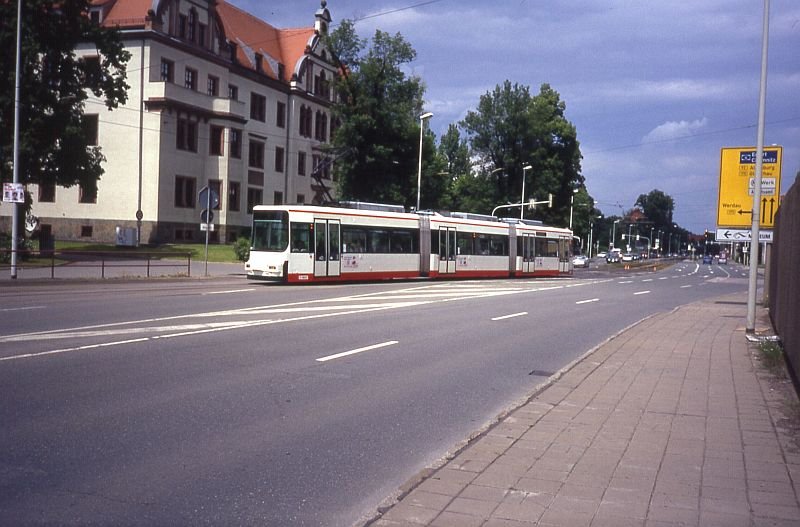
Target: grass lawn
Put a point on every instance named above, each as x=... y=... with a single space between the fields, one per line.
x=216 y=252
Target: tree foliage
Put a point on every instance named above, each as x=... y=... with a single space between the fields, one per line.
x=511 y=129
x=378 y=112
x=658 y=207
x=53 y=135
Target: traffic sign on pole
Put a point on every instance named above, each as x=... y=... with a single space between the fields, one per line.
x=737 y=185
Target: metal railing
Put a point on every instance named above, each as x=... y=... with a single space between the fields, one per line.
x=87 y=264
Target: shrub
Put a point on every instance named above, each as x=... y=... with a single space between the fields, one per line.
x=242 y=249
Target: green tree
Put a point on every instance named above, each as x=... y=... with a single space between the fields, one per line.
x=53 y=88
x=658 y=207
x=378 y=114
x=511 y=129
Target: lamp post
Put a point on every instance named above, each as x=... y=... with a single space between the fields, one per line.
x=522 y=207
x=571 y=201
x=17 y=104
x=614 y=234
x=426 y=115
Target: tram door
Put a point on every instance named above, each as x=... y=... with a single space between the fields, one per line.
x=528 y=253
x=327 y=243
x=447 y=250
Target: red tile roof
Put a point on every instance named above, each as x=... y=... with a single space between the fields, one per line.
x=250 y=34
x=253 y=35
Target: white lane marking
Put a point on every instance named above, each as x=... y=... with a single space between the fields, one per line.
x=664 y=278
x=647 y=280
x=626 y=282
x=359 y=350
x=685 y=286
x=228 y=292
x=6 y=310
x=641 y=292
x=520 y=314
x=588 y=301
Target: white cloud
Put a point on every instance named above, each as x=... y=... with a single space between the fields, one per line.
x=674 y=130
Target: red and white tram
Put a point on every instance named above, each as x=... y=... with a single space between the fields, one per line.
x=299 y=243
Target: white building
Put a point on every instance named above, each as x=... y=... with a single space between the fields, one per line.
x=217 y=98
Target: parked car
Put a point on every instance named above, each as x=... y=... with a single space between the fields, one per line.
x=580 y=260
x=708 y=259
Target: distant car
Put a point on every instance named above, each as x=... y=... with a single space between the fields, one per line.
x=723 y=259
x=601 y=254
x=628 y=257
x=612 y=257
x=708 y=259
x=580 y=260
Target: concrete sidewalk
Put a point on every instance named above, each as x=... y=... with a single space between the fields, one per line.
x=672 y=422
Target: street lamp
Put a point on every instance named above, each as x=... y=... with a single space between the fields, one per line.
x=614 y=234
x=571 y=200
x=422 y=118
x=522 y=201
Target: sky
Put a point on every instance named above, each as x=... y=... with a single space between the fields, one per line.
x=654 y=88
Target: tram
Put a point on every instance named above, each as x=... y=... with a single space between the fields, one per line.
x=369 y=242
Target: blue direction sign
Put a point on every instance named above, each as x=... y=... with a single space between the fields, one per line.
x=208 y=198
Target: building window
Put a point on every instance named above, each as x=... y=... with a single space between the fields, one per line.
x=201 y=35
x=213 y=86
x=301 y=163
x=85 y=196
x=216 y=138
x=92 y=72
x=89 y=121
x=255 y=154
x=185 y=189
x=259 y=62
x=236 y=143
x=321 y=127
x=47 y=192
x=305 y=121
x=187 y=135
x=234 y=196
x=280 y=115
x=301 y=198
x=279 y=159
x=86 y=231
x=192 y=25
x=190 y=79
x=254 y=197
x=258 y=107
x=277 y=198
x=233 y=92
x=167 y=69
x=182 y=26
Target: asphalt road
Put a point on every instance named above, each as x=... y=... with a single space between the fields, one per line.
x=231 y=402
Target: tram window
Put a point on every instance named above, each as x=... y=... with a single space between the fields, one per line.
x=378 y=241
x=270 y=231
x=498 y=245
x=401 y=241
x=464 y=243
x=319 y=240
x=354 y=240
x=301 y=237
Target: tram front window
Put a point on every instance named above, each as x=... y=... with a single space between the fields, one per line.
x=270 y=230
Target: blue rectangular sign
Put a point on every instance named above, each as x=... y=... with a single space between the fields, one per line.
x=749 y=158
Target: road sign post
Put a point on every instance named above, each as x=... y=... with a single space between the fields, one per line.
x=208 y=198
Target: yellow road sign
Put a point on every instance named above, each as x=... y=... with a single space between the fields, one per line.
x=737 y=170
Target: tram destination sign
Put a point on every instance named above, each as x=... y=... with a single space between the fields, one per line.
x=737 y=183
